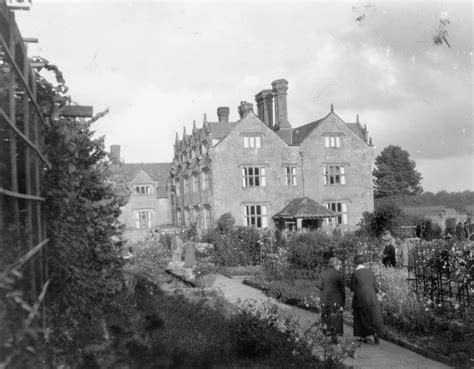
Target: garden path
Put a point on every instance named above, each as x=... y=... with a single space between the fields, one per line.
x=386 y=355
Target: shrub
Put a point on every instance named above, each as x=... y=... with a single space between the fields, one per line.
x=309 y=250
x=237 y=246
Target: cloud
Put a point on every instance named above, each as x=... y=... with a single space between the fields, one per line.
x=161 y=65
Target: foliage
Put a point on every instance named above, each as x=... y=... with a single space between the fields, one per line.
x=299 y=292
x=225 y=223
x=456 y=200
x=147 y=259
x=82 y=211
x=309 y=250
x=395 y=174
x=387 y=215
x=235 y=246
x=261 y=330
x=445 y=269
x=418 y=315
x=190 y=329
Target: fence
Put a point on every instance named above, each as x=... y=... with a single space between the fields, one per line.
x=444 y=271
x=23 y=241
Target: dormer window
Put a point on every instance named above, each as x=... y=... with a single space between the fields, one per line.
x=332 y=141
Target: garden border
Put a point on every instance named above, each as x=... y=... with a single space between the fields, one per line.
x=387 y=337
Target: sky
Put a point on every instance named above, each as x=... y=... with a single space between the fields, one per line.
x=160 y=65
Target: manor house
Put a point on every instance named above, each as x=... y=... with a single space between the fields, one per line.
x=259 y=167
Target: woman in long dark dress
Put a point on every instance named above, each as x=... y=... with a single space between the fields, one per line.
x=333 y=298
x=366 y=307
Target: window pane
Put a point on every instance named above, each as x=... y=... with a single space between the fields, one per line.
x=338 y=141
x=326 y=141
x=246 y=141
x=332 y=141
x=258 y=141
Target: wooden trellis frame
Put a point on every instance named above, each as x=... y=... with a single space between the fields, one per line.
x=23 y=238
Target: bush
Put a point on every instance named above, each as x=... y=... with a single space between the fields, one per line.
x=237 y=246
x=309 y=250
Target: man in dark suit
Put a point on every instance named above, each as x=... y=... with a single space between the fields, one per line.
x=389 y=254
x=368 y=318
x=333 y=299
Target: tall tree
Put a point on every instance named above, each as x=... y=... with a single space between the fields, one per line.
x=395 y=174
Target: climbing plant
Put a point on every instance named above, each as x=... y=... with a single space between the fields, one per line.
x=81 y=212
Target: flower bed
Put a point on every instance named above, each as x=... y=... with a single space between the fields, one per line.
x=301 y=293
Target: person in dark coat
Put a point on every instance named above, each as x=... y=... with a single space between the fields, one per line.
x=389 y=255
x=333 y=299
x=365 y=304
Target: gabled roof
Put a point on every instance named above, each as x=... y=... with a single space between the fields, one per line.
x=357 y=129
x=300 y=133
x=304 y=207
x=159 y=172
x=220 y=129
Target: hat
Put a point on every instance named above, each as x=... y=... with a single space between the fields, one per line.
x=359 y=259
x=334 y=262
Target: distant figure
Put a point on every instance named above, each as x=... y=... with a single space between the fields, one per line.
x=336 y=232
x=177 y=248
x=164 y=241
x=460 y=231
x=189 y=254
x=389 y=254
x=333 y=299
x=366 y=307
x=467 y=229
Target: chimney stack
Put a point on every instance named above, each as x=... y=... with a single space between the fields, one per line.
x=223 y=114
x=115 y=154
x=264 y=101
x=280 y=88
x=245 y=109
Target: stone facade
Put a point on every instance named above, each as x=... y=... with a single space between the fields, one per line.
x=254 y=167
x=148 y=206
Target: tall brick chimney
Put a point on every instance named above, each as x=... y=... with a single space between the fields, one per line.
x=115 y=154
x=280 y=88
x=223 y=114
x=264 y=100
x=245 y=108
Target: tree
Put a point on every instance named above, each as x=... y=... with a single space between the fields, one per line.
x=395 y=174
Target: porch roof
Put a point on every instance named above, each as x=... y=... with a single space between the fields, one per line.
x=305 y=208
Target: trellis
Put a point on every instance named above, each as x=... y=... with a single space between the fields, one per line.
x=443 y=272
x=23 y=238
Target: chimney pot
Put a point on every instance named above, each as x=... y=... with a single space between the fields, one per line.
x=245 y=108
x=264 y=100
x=223 y=114
x=280 y=89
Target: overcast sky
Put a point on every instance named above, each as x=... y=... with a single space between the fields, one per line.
x=161 y=65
